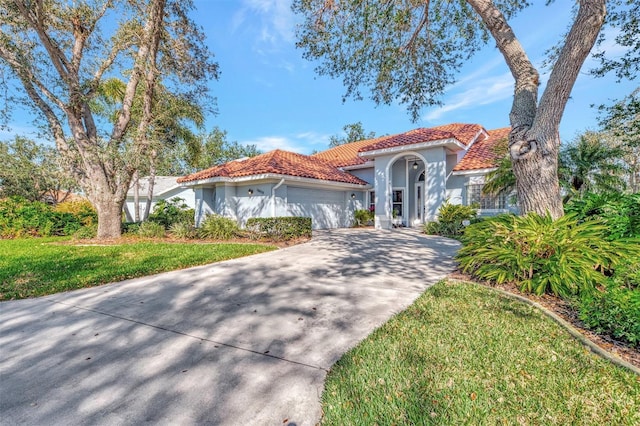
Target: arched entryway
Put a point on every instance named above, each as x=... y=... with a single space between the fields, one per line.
x=406 y=190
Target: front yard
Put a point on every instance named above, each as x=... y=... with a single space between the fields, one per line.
x=40 y=266
x=463 y=354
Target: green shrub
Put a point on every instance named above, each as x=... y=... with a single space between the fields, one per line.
x=564 y=256
x=450 y=220
x=280 y=228
x=218 y=227
x=173 y=211
x=362 y=217
x=620 y=212
x=87 y=232
x=20 y=217
x=81 y=209
x=151 y=230
x=614 y=311
x=182 y=230
x=130 y=227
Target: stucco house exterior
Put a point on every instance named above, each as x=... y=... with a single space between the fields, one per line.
x=164 y=188
x=405 y=178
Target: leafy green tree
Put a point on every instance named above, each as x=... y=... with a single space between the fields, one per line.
x=589 y=164
x=411 y=51
x=61 y=52
x=32 y=171
x=501 y=180
x=171 y=126
x=353 y=133
x=621 y=121
x=214 y=148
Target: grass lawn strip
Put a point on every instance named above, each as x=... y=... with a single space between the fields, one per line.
x=41 y=266
x=464 y=354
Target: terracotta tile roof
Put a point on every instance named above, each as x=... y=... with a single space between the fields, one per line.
x=280 y=163
x=347 y=154
x=464 y=133
x=482 y=154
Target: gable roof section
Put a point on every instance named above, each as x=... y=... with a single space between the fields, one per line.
x=277 y=162
x=463 y=133
x=483 y=154
x=347 y=155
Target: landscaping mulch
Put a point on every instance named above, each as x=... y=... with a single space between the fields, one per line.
x=564 y=310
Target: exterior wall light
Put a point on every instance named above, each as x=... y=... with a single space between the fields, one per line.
x=353 y=196
x=250 y=191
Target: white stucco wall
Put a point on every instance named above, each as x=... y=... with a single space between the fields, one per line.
x=327 y=208
x=187 y=194
x=366 y=175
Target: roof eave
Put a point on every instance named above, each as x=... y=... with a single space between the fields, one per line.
x=267 y=176
x=368 y=164
x=450 y=142
x=473 y=171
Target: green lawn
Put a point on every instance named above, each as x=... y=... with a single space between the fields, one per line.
x=40 y=266
x=463 y=354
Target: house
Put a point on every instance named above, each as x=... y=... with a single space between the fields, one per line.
x=164 y=188
x=405 y=178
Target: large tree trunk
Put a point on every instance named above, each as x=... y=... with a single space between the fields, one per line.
x=109 y=217
x=534 y=141
x=537 y=181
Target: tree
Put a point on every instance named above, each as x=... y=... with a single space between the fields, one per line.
x=590 y=164
x=501 y=180
x=32 y=171
x=58 y=53
x=621 y=121
x=353 y=133
x=411 y=50
x=213 y=149
x=168 y=128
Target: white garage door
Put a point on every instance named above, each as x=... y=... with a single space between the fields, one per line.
x=325 y=208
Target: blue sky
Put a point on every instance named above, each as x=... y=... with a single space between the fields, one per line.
x=268 y=95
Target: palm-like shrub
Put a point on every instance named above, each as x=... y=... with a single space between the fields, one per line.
x=362 y=217
x=450 y=220
x=564 y=256
x=620 y=212
x=182 y=230
x=151 y=230
x=218 y=227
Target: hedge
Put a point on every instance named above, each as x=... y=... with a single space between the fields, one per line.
x=280 y=228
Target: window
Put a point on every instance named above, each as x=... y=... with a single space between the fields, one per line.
x=486 y=202
x=372 y=201
x=396 y=206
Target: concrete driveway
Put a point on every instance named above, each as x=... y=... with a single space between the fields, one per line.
x=243 y=342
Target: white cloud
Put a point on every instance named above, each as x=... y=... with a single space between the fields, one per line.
x=269 y=143
x=302 y=143
x=275 y=20
x=484 y=92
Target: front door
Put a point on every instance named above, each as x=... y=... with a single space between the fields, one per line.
x=419 y=204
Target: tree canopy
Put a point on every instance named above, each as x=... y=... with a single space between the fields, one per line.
x=60 y=53
x=352 y=133
x=32 y=171
x=410 y=52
